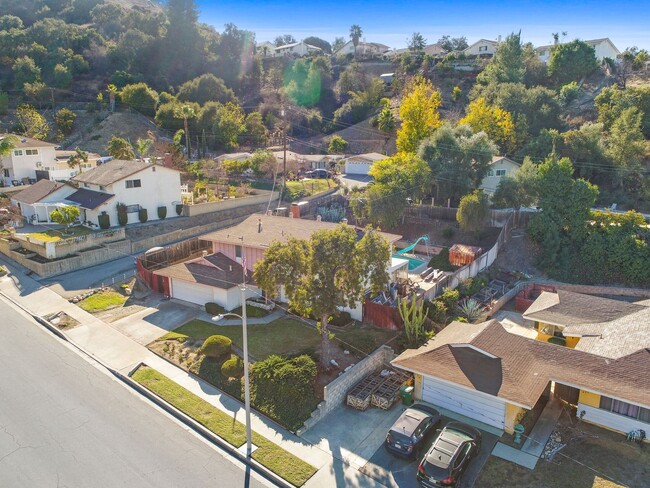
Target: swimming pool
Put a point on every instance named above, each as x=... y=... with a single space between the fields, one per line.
x=413 y=263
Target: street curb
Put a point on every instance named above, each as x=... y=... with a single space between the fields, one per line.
x=170 y=409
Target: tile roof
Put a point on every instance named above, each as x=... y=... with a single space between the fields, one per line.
x=22 y=141
x=518 y=369
x=568 y=308
x=216 y=270
x=273 y=228
x=112 y=171
x=37 y=191
x=89 y=199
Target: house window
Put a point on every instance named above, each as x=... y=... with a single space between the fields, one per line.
x=133 y=183
x=490 y=172
x=102 y=188
x=546 y=329
x=5 y=173
x=133 y=208
x=625 y=409
x=31 y=152
x=501 y=172
x=238 y=251
x=18 y=152
x=482 y=48
x=86 y=185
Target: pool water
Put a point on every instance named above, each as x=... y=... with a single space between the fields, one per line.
x=413 y=263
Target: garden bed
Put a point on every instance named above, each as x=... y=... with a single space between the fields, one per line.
x=62 y=321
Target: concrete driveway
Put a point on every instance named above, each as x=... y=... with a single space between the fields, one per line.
x=357 y=438
x=355 y=180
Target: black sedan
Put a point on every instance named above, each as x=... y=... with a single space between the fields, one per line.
x=408 y=433
x=449 y=456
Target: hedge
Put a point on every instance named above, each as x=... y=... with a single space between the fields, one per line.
x=214 y=308
x=233 y=368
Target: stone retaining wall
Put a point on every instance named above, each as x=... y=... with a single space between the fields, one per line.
x=221 y=205
x=336 y=391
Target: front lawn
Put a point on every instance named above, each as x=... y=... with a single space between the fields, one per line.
x=304 y=188
x=281 y=462
x=252 y=312
x=282 y=336
x=363 y=338
x=103 y=301
x=593 y=458
x=57 y=235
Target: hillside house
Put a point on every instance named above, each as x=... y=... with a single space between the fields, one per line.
x=500 y=167
x=482 y=48
x=297 y=49
x=26 y=158
x=363 y=49
x=361 y=164
x=604 y=48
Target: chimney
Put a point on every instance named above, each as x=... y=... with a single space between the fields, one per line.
x=319 y=218
x=167 y=160
x=259 y=225
x=499 y=39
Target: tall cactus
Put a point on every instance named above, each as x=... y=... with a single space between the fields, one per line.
x=413 y=316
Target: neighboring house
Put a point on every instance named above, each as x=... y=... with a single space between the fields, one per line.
x=240 y=156
x=136 y=184
x=319 y=161
x=266 y=49
x=604 y=48
x=28 y=156
x=363 y=49
x=482 y=47
x=360 y=164
x=61 y=170
x=297 y=49
x=231 y=247
x=37 y=201
x=486 y=373
x=434 y=50
x=500 y=166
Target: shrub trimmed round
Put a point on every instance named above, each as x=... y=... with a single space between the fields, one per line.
x=143 y=215
x=216 y=346
x=233 y=368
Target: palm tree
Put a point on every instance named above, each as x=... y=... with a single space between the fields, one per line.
x=143 y=146
x=185 y=112
x=386 y=120
x=78 y=158
x=355 y=35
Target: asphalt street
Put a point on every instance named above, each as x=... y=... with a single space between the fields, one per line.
x=65 y=422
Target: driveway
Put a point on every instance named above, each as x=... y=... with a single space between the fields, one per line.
x=355 y=180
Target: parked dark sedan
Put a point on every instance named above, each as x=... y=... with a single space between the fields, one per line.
x=408 y=433
x=449 y=456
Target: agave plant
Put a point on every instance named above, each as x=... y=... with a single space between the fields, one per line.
x=470 y=309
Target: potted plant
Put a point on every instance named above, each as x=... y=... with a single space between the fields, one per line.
x=122 y=216
x=179 y=209
x=162 y=212
x=104 y=220
x=142 y=214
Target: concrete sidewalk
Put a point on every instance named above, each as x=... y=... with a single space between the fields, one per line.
x=104 y=342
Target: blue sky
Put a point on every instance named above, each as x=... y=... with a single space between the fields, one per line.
x=626 y=23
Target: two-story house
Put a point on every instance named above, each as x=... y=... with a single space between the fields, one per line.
x=500 y=167
x=28 y=156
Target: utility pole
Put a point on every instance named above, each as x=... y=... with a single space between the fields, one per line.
x=284 y=158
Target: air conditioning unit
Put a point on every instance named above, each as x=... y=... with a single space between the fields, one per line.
x=39 y=165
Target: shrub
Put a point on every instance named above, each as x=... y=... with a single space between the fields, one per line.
x=284 y=388
x=140 y=97
x=104 y=221
x=214 y=308
x=450 y=298
x=341 y=319
x=162 y=212
x=122 y=218
x=233 y=368
x=143 y=215
x=216 y=346
x=448 y=233
x=436 y=311
x=569 y=92
x=441 y=261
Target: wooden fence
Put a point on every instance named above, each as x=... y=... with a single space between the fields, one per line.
x=382 y=316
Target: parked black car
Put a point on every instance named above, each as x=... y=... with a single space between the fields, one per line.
x=408 y=433
x=318 y=173
x=449 y=455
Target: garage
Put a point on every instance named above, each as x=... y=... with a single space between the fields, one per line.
x=479 y=406
x=192 y=292
x=361 y=163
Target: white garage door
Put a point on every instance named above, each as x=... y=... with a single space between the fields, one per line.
x=192 y=292
x=489 y=410
x=357 y=168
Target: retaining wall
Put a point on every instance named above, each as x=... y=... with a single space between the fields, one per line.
x=221 y=205
x=335 y=392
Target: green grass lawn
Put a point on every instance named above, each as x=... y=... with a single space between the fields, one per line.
x=252 y=312
x=103 y=301
x=282 y=336
x=281 y=462
x=57 y=235
x=305 y=188
x=364 y=338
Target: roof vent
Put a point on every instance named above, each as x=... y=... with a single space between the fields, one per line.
x=259 y=225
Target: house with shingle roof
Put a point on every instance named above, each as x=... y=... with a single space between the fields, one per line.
x=243 y=244
x=27 y=156
x=603 y=48
x=486 y=373
x=37 y=201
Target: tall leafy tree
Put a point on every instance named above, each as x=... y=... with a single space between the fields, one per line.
x=325 y=46
x=572 y=61
x=419 y=114
x=78 y=159
x=417 y=43
x=355 y=34
x=507 y=64
x=284 y=40
x=31 y=123
x=204 y=89
x=449 y=43
x=229 y=124
x=627 y=148
x=338 y=43
x=324 y=273
x=494 y=121
x=7 y=143
x=472 y=211
x=183 y=43
x=120 y=148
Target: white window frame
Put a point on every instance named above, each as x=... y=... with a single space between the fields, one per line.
x=31 y=152
x=18 y=152
x=500 y=172
x=490 y=172
x=137 y=183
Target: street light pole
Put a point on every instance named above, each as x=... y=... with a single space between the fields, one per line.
x=247 y=390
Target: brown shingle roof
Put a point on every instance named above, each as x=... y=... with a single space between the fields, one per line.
x=37 y=191
x=273 y=228
x=112 y=171
x=22 y=141
x=216 y=270
x=518 y=369
x=568 y=308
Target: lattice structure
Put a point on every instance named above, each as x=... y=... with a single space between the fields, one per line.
x=387 y=393
x=359 y=396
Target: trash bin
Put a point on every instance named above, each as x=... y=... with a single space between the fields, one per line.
x=407 y=395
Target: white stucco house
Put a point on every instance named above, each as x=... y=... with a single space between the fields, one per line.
x=297 y=49
x=500 y=166
x=360 y=164
x=37 y=201
x=28 y=156
x=266 y=49
x=482 y=47
x=604 y=48
x=363 y=49
x=136 y=184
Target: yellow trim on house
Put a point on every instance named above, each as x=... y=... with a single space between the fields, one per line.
x=571 y=341
x=512 y=412
x=589 y=398
x=542 y=336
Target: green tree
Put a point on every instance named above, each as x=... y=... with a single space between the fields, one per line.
x=586 y=146
x=355 y=34
x=419 y=114
x=338 y=43
x=65 y=216
x=417 y=43
x=386 y=120
x=283 y=40
x=327 y=272
x=143 y=147
x=205 y=88
x=325 y=46
x=186 y=112
x=62 y=76
x=120 y=149
x=65 y=119
x=337 y=145
x=572 y=61
x=230 y=123
x=7 y=144
x=414 y=317
x=77 y=159
x=449 y=43
x=140 y=97
x=256 y=132
x=473 y=211
x=519 y=190
x=612 y=101
x=31 y=123
x=25 y=71
x=507 y=64
x=627 y=148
